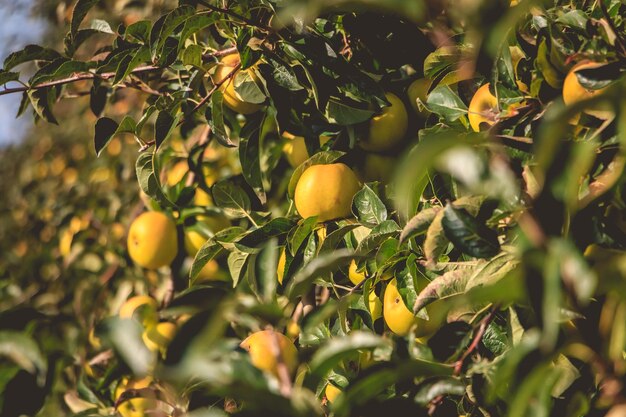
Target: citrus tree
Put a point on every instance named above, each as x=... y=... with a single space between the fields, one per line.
x=310 y=208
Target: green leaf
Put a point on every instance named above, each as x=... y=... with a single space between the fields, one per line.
x=149 y=180
x=42 y=100
x=446 y=103
x=7 y=77
x=274 y=228
x=436 y=241
x=97 y=101
x=412 y=177
x=599 y=77
x=101 y=26
x=406 y=285
x=432 y=388
x=192 y=55
x=419 y=224
x=285 y=77
x=247 y=88
x=164 y=126
x=334 y=238
x=249 y=156
x=161 y=33
x=468 y=235
x=211 y=248
x=129 y=62
x=237 y=266
x=81 y=8
x=107 y=128
x=495 y=338
x=451 y=283
x=336 y=350
x=368 y=207
x=30 y=53
x=301 y=234
x=23 y=350
x=377 y=236
x=215 y=119
x=342 y=114
x=232 y=198
x=195 y=23
x=139 y=30
x=317 y=268
x=125 y=337
x=265 y=270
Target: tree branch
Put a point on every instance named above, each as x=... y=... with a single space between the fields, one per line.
x=104 y=76
x=480 y=332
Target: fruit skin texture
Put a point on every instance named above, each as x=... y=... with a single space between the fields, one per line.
x=400 y=319
x=152 y=240
x=138 y=406
x=419 y=90
x=574 y=92
x=326 y=191
x=331 y=393
x=388 y=129
x=375 y=306
x=141 y=307
x=157 y=337
x=295 y=148
x=482 y=108
x=231 y=98
x=397 y=316
x=262 y=347
x=354 y=276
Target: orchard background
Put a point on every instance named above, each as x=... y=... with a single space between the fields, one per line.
x=310 y=208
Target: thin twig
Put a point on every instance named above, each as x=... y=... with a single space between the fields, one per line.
x=480 y=332
x=75 y=78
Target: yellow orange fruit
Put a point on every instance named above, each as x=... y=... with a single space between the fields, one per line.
x=280 y=268
x=231 y=98
x=483 y=108
x=418 y=90
x=295 y=148
x=138 y=406
x=574 y=92
x=211 y=272
x=142 y=308
x=152 y=240
x=375 y=305
x=331 y=392
x=355 y=277
x=176 y=173
x=398 y=317
x=268 y=348
x=326 y=191
x=159 y=336
x=387 y=129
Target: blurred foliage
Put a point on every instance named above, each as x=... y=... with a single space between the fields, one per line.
x=478 y=271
